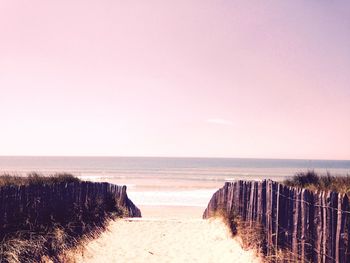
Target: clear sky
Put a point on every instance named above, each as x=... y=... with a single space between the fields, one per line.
x=219 y=78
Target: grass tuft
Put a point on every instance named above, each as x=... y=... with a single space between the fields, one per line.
x=315 y=182
x=35 y=178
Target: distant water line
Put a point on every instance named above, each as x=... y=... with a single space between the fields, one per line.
x=170 y=181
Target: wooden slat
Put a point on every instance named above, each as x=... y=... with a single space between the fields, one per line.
x=313 y=226
x=25 y=207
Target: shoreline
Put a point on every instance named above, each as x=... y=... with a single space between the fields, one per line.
x=172 y=212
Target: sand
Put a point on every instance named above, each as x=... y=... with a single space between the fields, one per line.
x=172 y=212
x=167 y=233
x=166 y=240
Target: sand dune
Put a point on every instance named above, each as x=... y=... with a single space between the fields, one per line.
x=166 y=240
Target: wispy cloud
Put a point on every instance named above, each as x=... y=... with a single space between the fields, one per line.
x=220 y=122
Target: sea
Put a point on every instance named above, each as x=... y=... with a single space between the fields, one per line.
x=165 y=181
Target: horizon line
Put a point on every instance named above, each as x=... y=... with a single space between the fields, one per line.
x=169 y=157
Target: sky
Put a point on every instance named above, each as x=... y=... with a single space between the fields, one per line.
x=200 y=78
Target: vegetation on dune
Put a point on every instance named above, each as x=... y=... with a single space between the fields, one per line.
x=62 y=227
x=50 y=245
x=252 y=235
x=36 y=179
x=313 y=181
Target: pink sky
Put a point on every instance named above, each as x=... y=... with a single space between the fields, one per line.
x=175 y=78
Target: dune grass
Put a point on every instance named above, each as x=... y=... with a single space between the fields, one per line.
x=37 y=179
x=48 y=241
x=313 y=181
x=253 y=236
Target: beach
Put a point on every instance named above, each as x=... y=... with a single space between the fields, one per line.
x=172 y=194
x=166 y=233
x=174 y=131
x=166 y=240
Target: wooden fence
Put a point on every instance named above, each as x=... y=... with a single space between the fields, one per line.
x=311 y=227
x=28 y=207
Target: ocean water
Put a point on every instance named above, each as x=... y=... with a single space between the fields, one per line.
x=155 y=181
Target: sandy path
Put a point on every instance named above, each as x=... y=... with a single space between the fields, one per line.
x=166 y=240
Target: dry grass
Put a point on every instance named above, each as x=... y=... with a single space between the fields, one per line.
x=229 y=218
x=252 y=236
x=36 y=179
x=30 y=241
x=284 y=256
x=51 y=246
x=313 y=181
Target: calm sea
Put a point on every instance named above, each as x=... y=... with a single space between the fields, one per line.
x=170 y=181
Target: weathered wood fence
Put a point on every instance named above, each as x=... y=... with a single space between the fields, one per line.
x=312 y=227
x=27 y=207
